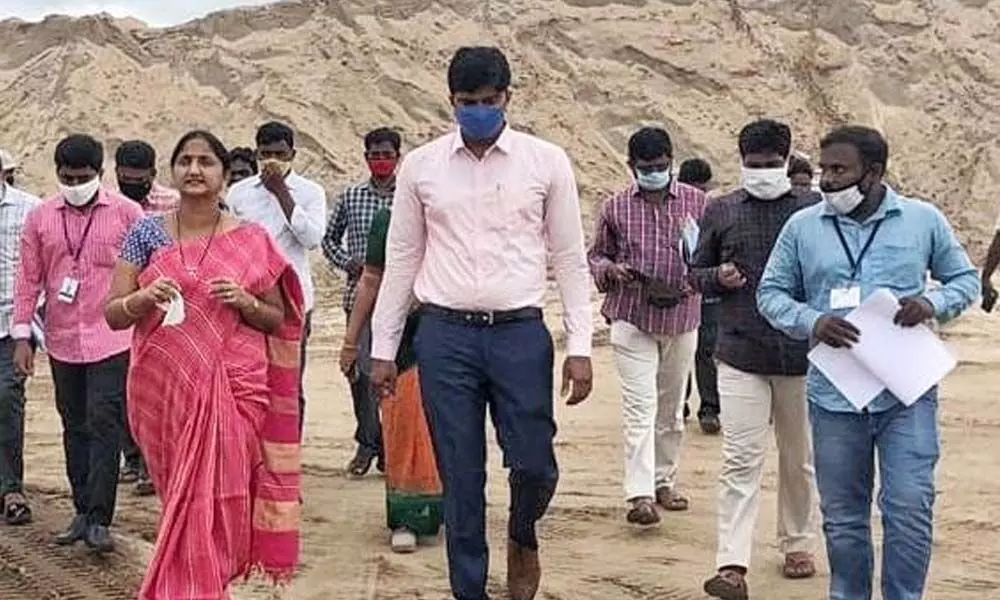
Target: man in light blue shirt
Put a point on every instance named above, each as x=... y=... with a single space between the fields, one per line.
x=827 y=259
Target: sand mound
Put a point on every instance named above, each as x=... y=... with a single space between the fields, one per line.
x=587 y=72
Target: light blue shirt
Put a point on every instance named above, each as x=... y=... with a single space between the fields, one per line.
x=808 y=261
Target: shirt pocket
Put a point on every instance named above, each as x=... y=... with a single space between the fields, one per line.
x=516 y=208
x=104 y=250
x=900 y=264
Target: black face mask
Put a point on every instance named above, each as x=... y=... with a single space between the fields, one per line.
x=135 y=191
x=10 y=179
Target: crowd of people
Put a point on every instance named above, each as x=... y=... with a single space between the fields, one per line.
x=446 y=252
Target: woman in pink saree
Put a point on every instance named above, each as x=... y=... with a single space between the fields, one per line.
x=213 y=384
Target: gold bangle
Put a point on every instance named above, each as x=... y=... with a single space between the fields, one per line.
x=128 y=313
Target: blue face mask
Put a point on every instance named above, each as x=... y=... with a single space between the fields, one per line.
x=653 y=181
x=479 y=122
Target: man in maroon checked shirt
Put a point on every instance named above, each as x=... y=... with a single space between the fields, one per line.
x=639 y=260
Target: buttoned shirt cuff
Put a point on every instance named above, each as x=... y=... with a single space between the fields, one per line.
x=383 y=349
x=808 y=320
x=579 y=345
x=938 y=302
x=21 y=332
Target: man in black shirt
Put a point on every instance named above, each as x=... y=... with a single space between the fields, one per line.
x=761 y=372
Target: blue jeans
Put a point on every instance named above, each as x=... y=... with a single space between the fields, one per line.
x=465 y=370
x=845 y=445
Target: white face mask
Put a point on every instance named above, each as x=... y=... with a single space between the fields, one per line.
x=846 y=200
x=765 y=184
x=78 y=195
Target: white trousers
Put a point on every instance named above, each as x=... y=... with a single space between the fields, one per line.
x=652 y=373
x=747 y=403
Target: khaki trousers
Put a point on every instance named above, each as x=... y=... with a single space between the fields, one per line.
x=652 y=372
x=748 y=402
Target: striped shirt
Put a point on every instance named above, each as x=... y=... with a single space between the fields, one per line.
x=352 y=218
x=75 y=332
x=14 y=207
x=161 y=200
x=646 y=236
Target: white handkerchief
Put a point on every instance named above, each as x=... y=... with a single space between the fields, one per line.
x=689 y=239
x=174 y=310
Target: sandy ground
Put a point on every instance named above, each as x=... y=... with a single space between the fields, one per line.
x=588 y=551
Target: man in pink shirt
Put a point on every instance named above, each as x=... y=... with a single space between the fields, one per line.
x=478 y=215
x=69 y=244
x=135 y=171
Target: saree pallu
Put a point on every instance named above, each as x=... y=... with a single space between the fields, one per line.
x=213 y=404
x=413 y=488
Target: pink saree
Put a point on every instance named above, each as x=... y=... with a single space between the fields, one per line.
x=213 y=405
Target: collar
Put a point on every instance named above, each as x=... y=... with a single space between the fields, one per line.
x=379 y=191
x=502 y=144
x=891 y=205
x=102 y=199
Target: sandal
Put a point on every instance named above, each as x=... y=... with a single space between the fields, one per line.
x=798 y=565
x=671 y=500
x=16 y=510
x=643 y=513
x=728 y=585
x=360 y=464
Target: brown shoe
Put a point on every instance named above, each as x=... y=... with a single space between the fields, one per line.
x=523 y=571
x=671 y=500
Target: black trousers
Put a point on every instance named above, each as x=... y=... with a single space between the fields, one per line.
x=306 y=332
x=368 y=433
x=90 y=398
x=705 y=372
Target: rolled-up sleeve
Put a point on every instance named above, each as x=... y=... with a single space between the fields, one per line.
x=308 y=219
x=781 y=286
x=568 y=255
x=28 y=281
x=404 y=255
x=950 y=265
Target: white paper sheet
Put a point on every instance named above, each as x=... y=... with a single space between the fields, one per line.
x=907 y=361
x=847 y=373
x=174 y=311
x=689 y=238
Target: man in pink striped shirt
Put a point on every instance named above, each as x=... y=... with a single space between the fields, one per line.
x=645 y=236
x=69 y=245
x=478 y=215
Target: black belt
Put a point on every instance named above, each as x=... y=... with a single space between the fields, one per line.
x=483 y=318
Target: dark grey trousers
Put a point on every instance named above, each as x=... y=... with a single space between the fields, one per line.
x=11 y=421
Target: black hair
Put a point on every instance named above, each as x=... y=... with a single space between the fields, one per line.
x=245 y=154
x=475 y=67
x=797 y=164
x=79 y=151
x=218 y=149
x=136 y=154
x=765 y=136
x=695 y=170
x=274 y=132
x=649 y=143
x=871 y=145
x=382 y=135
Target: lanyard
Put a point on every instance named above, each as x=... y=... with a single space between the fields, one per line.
x=83 y=238
x=855 y=262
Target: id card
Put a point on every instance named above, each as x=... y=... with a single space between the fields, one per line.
x=845 y=297
x=68 y=290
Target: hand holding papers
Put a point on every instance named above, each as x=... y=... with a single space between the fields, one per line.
x=907 y=361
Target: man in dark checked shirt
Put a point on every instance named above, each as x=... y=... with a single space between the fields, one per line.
x=761 y=372
x=637 y=261
x=352 y=218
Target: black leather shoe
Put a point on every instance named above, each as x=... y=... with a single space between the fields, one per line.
x=76 y=532
x=99 y=539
